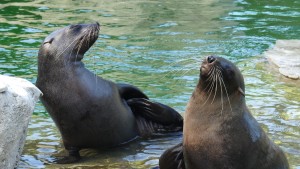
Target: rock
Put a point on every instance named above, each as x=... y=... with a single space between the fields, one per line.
x=3 y=87
x=17 y=100
x=286 y=56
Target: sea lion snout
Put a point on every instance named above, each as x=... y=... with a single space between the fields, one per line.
x=204 y=69
x=83 y=26
x=210 y=59
x=207 y=64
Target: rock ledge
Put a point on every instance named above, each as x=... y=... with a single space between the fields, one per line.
x=286 y=56
x=17 y=101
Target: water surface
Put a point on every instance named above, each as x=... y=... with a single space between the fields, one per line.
x=158 y=46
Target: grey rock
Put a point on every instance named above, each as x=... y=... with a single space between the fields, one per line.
x=3 y=87
x=17 y=101
x=286 y=56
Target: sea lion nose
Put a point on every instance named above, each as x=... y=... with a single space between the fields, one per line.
x=211 y=59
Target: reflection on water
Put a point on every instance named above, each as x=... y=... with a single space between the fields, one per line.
x=158 y=47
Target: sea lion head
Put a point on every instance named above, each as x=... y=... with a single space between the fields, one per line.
x=219 y=75
x=69 y=43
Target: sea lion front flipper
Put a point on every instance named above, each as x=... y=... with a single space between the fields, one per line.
x=73 y=157
x=172 y=158
x=153 y=116
x=128 y=91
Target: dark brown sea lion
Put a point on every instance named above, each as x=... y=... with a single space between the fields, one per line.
x=89 y=111
x=219 y=130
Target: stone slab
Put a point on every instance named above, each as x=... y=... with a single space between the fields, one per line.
x=286 y=56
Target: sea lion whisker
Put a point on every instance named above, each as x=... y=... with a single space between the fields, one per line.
x=76 y=39
x=89 y=38
x=210 y=83
x=80 y=46
x=182 y=61
x=178 y=80
x=209 y=79
x=210 y=92
x=94 y=60
x=69 y=56
x=216 y=88
x=83 y=32
x=211 y=71
x=176 y=70
x=219 y=70
x=211 y=87
x=211 y=76
x=95 y=70
x=220 y=78
x=86 y=33
x=227 y=95
x=184 y=72
x=91 y=34
x=170 y=73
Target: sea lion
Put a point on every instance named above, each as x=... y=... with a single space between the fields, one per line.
x=89 y=111
x=219 y=130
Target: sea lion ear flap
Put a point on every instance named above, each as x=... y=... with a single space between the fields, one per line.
x=241 y=91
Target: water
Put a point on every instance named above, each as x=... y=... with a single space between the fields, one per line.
x=158 y=46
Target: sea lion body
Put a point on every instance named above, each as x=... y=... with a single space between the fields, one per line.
x=90 y=95
x=89 y=111
x=219 y=130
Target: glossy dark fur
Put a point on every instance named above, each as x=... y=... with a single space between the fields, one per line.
x=89 y=111
x=219 y=130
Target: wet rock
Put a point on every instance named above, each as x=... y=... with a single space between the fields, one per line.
x=286 y=56
x=17 y=100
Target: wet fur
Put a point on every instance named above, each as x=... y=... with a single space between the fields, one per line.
x=89 y=111
x=219 y=130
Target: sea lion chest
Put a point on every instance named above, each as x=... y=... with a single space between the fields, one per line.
x=86 y=107
x=219 y=129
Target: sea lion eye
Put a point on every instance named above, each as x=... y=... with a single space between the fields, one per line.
x=49 y=41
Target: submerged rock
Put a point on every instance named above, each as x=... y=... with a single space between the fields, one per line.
x=286 y=56
x=17 y=100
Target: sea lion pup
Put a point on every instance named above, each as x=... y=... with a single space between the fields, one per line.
x=89 y=111
x=219 y=130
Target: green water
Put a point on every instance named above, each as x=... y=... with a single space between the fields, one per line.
x=158 y=46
